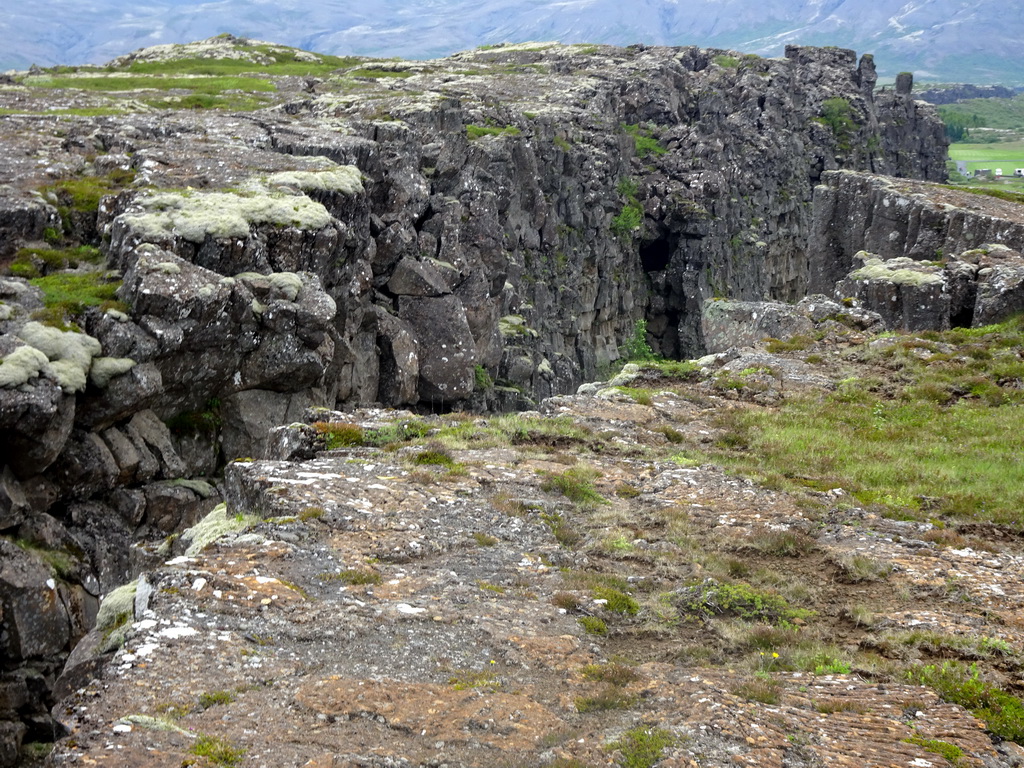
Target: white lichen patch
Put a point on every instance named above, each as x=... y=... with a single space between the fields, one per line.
x=105 y=368
x=342 y=178
x=899 y=271
x=20 y=366
x=216 y=524
x=196 y=216
x=69 y=354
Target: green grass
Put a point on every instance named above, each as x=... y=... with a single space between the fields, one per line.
x=576 y=484
x=642 y=747
x=66 y=295
x=992 y=113
x=1006 y=155
x=285 y=63
x=478 y=131
x=936 y=439
x=212 y=84
x=961 y=684
x=217 y=751
x=33 y=262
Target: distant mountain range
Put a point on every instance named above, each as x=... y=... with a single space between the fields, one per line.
x=975 y=41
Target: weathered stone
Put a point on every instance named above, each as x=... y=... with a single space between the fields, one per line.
x=399 y=360
x=445 y=344
x=249 y=416
x=907 y=294
x=157 y=437
x=35 y=422
x=416 y=278
x=34 y=621
x=728 y=324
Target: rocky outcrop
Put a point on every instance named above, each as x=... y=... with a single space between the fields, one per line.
x=482 y=231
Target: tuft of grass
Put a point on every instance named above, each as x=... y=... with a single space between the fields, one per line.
x=642 y=747
x=785 y=544
x=217 y=751
x=478 y=131
x=215 y=698
x=854 y=569
x=354 y=576
x=764 y=690
x=576 y=484
x=593 y=625
x=608 y=698
x=435 y=455
x=567 y=601
x=340 y=435
x=951 y=752
x=612 y=673
x=484 y=540
x=616 y=600
x=477 y=681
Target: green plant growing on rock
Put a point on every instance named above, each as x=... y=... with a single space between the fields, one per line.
x=593 y=625
x=616 y=601
x=642 y=747
x=636 y=348
x=951 y=752
x=67 y=295
x=1002 y=713
x=217 y=751
x=837 y=116
x=577 y=485
x=340 y=435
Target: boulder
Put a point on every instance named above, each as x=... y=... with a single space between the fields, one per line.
x=447 y=350
x=728 y=324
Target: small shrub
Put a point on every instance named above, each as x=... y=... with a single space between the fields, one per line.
x=218 y=751
x=855 y=569
x=628 y=220
x=214 y=698
x=636 y=348
x=484 y=540
x=482 y=380
x=1002 y=713
x=727 y=62
x=616 y=601
x=593 y=625
x=566 y=600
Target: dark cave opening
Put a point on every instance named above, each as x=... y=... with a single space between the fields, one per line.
x=656 y=254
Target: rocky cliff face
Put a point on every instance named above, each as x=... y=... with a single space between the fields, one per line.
x=480 y=231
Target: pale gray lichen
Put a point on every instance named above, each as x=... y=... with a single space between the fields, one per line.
x=70 y=354
x=216 y=524
x=342 y=178
x=195 y=216
x=115 y=616
x=896 y=271
x=20 y=366
x=286 y=284
x=105 y=368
